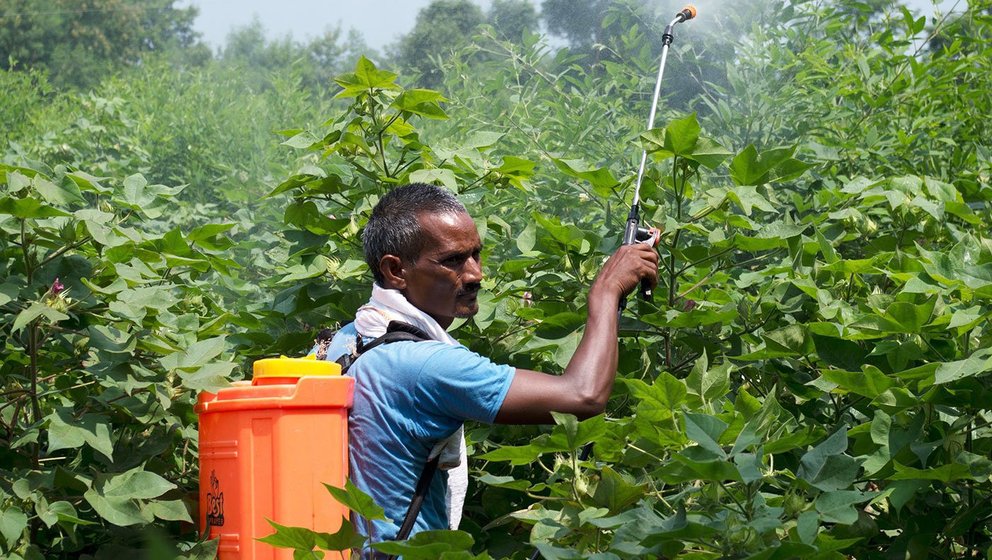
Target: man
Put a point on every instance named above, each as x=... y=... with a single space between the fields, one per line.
x=411 y=398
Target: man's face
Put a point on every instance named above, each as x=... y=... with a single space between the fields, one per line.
x=444 y=280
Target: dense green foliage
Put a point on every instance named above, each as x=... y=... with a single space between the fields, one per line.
x=810 y=380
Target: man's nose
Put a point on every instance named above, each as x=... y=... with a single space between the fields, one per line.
x=472 y=271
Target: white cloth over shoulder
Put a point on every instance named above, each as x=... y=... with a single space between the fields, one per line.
x=371 y=321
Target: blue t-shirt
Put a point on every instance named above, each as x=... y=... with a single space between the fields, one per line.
x=408 y=397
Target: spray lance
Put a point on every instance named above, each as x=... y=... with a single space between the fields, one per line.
x=633 y=233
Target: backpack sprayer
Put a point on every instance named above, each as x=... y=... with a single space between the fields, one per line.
x=633 y=233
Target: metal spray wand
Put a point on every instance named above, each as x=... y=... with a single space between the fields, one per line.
x=633 y=233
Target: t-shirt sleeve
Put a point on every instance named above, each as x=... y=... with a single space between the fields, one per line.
x=462 y=384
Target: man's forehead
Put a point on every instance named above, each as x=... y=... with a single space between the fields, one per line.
x=448 y=226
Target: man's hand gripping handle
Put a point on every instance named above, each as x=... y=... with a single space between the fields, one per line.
x=633 y=233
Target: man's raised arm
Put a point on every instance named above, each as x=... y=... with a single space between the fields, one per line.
x=585 y=386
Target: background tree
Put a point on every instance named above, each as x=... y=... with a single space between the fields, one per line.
x=513 y=18
x=578 y=22
x=79 y=42
x=440 y=28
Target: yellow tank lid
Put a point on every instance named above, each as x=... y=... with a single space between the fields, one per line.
x=294 y=367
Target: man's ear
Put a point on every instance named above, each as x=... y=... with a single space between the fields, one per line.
x=392 y=271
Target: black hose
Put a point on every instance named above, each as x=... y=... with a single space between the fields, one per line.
x=423 y=485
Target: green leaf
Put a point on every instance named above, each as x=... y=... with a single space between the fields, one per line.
x=827 y=467
x=565 y=348
x=427 y=545
x=549 y=552
x=807 y=526
x=26 y=208
x=709 y=383
x=121 y=498
x=206 y=236
x=527 y=238
x=910 y=317
x=135 y=484
x=297 y=538
x=147 y=199
x=826 y=248
x=870 y=382
x=944 y=473
x=119 y=511
x=345 y=538
x=751 y=168
x=681 y=135
x=504 y=482
x=63 y=512
x=838 y=506
x=615 y=492
x=423 y=102
x=208 y=377
x=664 y=395
x=745 y=197
x=445 y=177
x=88 y=182
x=559 y=325
x=708 y=153
x=301 y=141
x=35 y=311
x=65 y=194
x=706 y=430
x=746 y=169
x=978 y=363
x=196 y=355
x=365 y=77
x=135 y=192
x=9 y=291
x=170 y=510
x=357 y=501
x=17 y=178
x=514 y=454
x=513 y=165
x=13 y=522
x=966 y=319
x=570 y=434
x=958 y=267
x=791 y=340
x=67 y=432
x=601 y=179
x=749 y=467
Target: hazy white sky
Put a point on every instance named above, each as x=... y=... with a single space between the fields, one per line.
x=381 y=22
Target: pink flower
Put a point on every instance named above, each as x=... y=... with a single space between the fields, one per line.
x=57 y=287
x=689 y=305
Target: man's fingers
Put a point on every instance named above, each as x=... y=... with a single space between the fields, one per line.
x=631 y=265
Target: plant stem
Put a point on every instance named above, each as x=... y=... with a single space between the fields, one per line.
x=63 y=250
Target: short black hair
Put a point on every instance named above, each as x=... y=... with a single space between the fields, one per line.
x=393 y=228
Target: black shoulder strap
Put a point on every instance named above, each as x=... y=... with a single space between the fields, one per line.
x=397 y=331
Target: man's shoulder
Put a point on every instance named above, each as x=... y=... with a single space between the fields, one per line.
x=410 y=355
x=346 y=330
x=414 y=351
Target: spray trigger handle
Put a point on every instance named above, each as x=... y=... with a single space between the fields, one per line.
x=651 y=236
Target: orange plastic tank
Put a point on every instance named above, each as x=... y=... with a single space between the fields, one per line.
x=266 y=450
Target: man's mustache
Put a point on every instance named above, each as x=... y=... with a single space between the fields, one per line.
x=470 y=289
